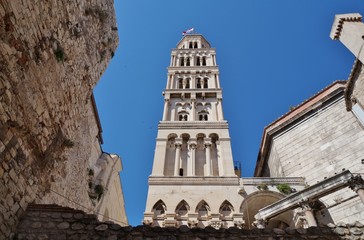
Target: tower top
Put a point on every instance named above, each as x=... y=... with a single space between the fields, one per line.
x=193 y=41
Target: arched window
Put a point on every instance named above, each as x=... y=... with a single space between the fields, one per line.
x=187 y=83
x=159 y=208
x=198 y=83
x=187 y=61
x=203 y=115
x=182 y=63
x=190 y=46
x=203 y=61
x=198 y=61
x=226 y=209
x=180 y=83
x=206 y=83
x=202 y=209
x=195 y=46
x=183 y=116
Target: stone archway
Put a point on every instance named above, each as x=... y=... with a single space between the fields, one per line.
x=257 y=200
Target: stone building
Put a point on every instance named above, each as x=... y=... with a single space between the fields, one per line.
x=324 y=135
x=302 y=178
x=52 y=54
x=194 y=181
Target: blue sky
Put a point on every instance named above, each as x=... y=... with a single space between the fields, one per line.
x=272 y=55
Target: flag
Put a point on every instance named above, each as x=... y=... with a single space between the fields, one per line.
x=188 y=31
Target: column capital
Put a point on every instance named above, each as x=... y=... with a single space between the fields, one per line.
x=193 y=146
x=356 y=183
x=306 y=204
x=178 y=144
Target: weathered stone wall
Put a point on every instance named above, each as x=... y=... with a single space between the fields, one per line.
x=52 y=222
x=52 y=53
x=318 y=146
x=358 y=85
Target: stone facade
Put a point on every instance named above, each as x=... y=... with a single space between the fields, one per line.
x=194 y=181
x=52 y=53
x=53 y=222
x=308 y=142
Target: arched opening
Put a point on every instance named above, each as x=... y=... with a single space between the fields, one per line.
x=181 y=211
x=190 y=45
x=203 y=61
x=184 y=154
x=205 y=83
x=203 y=210
x=195 y=46
x=182 y=61
x=159 y=210
x=198 y=85
x=203 y=115
x=188 y=61
x=182 y=116
x=198 y=62
x=187 y=82
x=258 y=200
x=180 y=83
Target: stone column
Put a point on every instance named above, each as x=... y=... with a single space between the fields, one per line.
x=165 y=111
x=219 y=109
x=310 y=217
x=218 y=81
x=191 y=165
x=220 y=164
x=193 y=111
x=356 y=183
x=177 y=159
x=208 y=158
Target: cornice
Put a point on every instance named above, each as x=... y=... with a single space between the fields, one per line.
x=216 y=181
x=339 y=20
x=195 y=90
x=273 y=180
x=192 y=68
x=192 y=125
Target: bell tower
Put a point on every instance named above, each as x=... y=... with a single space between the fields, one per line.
x=193 y=172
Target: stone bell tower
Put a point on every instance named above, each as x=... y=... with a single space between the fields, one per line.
x=193 y=172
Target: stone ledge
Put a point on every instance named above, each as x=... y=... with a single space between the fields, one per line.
x=223 y=181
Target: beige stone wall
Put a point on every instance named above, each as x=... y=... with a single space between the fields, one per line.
x=52 y=53
x=358 y=90
x=318 y=146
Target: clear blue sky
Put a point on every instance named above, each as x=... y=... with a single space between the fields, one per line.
x=272 y=55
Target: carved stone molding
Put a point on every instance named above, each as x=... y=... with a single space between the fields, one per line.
x=356 y=183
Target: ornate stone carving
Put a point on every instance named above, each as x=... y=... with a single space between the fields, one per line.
x=192 y=223
x=215 y=224
x=260 y=223
x=356 y=183
x=239 y=224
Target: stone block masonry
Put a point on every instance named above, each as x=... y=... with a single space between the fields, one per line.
x=54 y=222
x=52 y=53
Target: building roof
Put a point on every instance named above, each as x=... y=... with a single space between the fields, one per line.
x=292 y=116
x=193 y=35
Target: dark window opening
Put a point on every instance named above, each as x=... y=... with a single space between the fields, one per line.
x=180 y=83
x=198 y=61
x=190 y=46
x=198 y=83
x=188 y=83
x=188 y=62
x=181 y=172
x=195 y=45
x=182 y=61
x=205 y=83
x=204 y=61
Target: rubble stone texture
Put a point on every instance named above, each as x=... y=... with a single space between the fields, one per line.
x=52 y=53
x=54 y=222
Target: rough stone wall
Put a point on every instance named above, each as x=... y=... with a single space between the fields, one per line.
x=53 y=222
x=52 y=53
x=319 y=146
